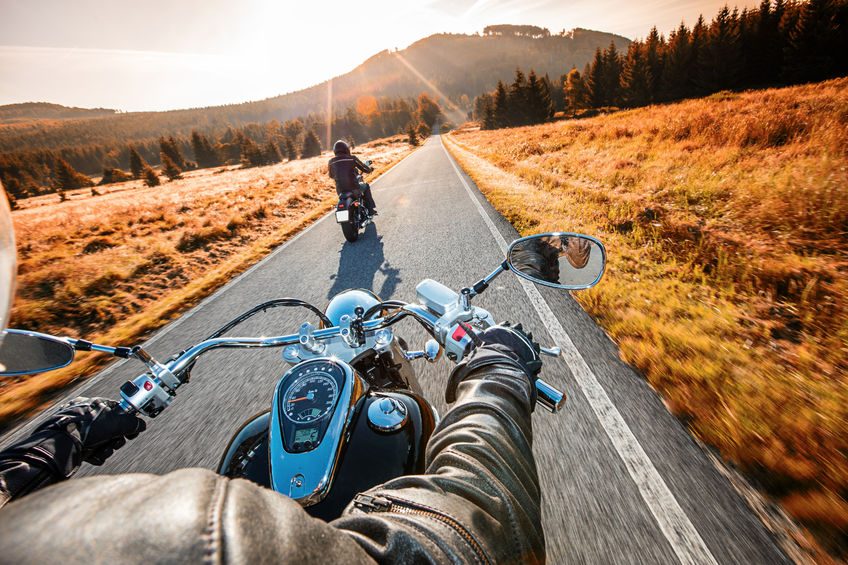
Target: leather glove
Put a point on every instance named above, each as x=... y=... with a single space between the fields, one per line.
x=96 y=425
x=500 y=344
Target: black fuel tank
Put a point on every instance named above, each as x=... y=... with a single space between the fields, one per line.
x=371 y=457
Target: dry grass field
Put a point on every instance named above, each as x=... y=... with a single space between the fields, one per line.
x=726 y=224
x=110 y=268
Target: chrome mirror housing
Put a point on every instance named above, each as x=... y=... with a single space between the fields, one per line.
x=559 y=260
x=26 y=353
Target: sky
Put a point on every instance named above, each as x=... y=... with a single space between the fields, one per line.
x=169 y=54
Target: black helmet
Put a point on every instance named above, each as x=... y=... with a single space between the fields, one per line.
x=341 y=148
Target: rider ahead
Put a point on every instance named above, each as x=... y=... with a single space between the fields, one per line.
x=478 y=501
x=342 y=169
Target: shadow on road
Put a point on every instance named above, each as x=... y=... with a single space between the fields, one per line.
x=359 y=262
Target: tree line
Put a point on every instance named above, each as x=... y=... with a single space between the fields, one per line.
x=781 y=42
x=31 y=173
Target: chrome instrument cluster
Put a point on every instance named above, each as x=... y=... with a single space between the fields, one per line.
x=312 y=410
x=310 y=392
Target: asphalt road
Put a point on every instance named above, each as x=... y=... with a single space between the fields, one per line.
x=623 y=481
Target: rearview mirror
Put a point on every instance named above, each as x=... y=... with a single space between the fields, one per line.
x=560 y=260
x=25 y=353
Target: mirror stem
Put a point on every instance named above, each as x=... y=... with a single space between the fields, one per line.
x=83 y=345
x=483 y=283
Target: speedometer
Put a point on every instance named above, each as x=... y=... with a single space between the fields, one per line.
x=310 y=398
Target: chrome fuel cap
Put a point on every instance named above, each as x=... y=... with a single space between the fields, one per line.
x=387 y=414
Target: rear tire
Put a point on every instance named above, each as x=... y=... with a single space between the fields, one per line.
x=350 y=231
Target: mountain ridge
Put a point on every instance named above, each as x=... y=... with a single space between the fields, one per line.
x=445 y=65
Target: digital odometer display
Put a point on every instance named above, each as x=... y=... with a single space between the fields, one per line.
x=306 y=434
x=310 y=398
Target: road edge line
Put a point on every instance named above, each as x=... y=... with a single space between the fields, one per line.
x=681 y=534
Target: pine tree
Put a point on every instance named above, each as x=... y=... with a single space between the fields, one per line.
x=137 y=163
x=204 y=154
x=635 y=76
x=478 y=113
x=678 y=66
x=411 y=135
x=488 y=114
x=311 y=145
x=545 y=97
x=291 y=150
x=721 y=57
x=272 y=152
x=176 y=155
x=113 y=175
x=66 y=178
x=612 y=75
x=171 y=170
x=150 y=177
x=536 y=109
x=654 y=48
x=698 y=45
x=500 y=107
x=575 y=92
x=423 y=130
x=811 y=53
x=517 y=100
x=251 y=153
x=595 y=81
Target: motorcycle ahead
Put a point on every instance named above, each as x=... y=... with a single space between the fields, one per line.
x=349 y=414
x=351 y=213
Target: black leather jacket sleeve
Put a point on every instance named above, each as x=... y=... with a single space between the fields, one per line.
x=478 y=502
x=361 y=166
x=45 y=458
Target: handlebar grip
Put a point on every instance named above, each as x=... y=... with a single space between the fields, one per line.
x=126 y=407
x=548 y=396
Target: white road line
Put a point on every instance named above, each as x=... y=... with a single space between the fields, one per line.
x=673 y=521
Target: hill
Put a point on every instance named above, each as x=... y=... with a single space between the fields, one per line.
x=37 y=111
x=444 y=65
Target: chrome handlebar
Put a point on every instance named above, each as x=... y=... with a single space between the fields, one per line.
x=152 y=392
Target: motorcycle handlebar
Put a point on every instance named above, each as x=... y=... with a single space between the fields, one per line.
x=549 y=397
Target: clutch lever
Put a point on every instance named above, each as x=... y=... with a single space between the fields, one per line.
x=552 y=351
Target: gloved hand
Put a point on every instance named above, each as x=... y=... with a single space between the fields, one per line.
x=97 y=425
x=500 y=344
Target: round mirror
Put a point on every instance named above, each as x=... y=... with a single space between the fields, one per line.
x=561 y=260
x=24 y=353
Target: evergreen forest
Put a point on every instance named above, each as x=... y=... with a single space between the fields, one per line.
x=779 y=43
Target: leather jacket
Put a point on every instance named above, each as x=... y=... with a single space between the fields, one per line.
x=478 y=502
x=342 y=168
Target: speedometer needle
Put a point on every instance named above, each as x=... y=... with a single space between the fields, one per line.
x=301 y=398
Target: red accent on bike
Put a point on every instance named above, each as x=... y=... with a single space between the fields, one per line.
x=148 y=385
x=458 y=334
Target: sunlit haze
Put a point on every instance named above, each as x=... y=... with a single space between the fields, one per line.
x=160 y=55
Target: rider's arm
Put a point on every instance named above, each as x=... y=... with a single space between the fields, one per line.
x=479 y=500
x=361 y=166
x=83 y=430
x=46 y=457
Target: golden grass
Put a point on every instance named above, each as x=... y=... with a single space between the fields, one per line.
x=113 y=267
x=725 y=220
